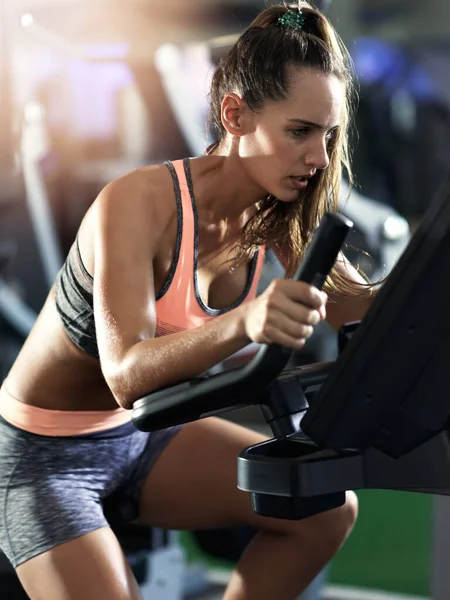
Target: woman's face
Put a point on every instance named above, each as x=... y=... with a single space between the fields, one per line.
x=286 y=142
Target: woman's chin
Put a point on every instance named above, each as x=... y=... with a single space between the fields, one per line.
x=285 y=194
x=288 y=197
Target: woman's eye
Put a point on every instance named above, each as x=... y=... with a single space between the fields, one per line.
x=299 y=132
x=331 y=134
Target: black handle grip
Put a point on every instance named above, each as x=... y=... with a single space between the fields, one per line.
x=315 y=267
x=323 y=250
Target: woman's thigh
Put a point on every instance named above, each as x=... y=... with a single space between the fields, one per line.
x=52 y=526
x=90 y=567
x=193 y=484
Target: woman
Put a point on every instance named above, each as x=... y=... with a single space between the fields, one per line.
x=160 y=286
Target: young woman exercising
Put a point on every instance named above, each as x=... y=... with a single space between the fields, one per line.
x=158 y=287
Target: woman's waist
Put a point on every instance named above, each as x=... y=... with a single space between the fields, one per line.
x=55 y=419
x=59 y=385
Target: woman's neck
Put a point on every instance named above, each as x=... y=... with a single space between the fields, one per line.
x=223 y=192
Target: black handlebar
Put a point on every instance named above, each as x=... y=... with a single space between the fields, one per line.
x=314 y=269
x=205 y=396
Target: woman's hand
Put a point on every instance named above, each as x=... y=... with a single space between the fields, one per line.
x=284 y=313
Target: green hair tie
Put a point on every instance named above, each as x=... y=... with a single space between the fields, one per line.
x=292 y=18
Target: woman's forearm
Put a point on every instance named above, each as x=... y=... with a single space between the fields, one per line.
x=160 y=362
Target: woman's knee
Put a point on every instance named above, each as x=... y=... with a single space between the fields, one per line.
x=346 y=516
x=351 y=506
x=333 y=527
x=326 y=532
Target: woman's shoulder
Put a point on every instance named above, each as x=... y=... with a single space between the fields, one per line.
x=138 y=206
x=142 y=181
x=143 y=192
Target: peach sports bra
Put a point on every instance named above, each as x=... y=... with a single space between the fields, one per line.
x=178 y=304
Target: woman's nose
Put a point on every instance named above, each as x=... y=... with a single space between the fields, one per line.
x=317 y=155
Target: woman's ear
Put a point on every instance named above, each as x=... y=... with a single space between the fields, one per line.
x=233 y=113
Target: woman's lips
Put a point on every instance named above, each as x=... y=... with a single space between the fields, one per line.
x=299 y=183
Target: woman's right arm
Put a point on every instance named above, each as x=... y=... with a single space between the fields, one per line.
x=128 y=228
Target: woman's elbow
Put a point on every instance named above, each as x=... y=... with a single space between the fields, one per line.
x=122 y=384
x=121 y=394
x=126 y=386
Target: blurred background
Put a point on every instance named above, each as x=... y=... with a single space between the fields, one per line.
x=90 y=89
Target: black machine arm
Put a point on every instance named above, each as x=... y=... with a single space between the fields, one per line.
x=381 y=419
x=245 y=386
